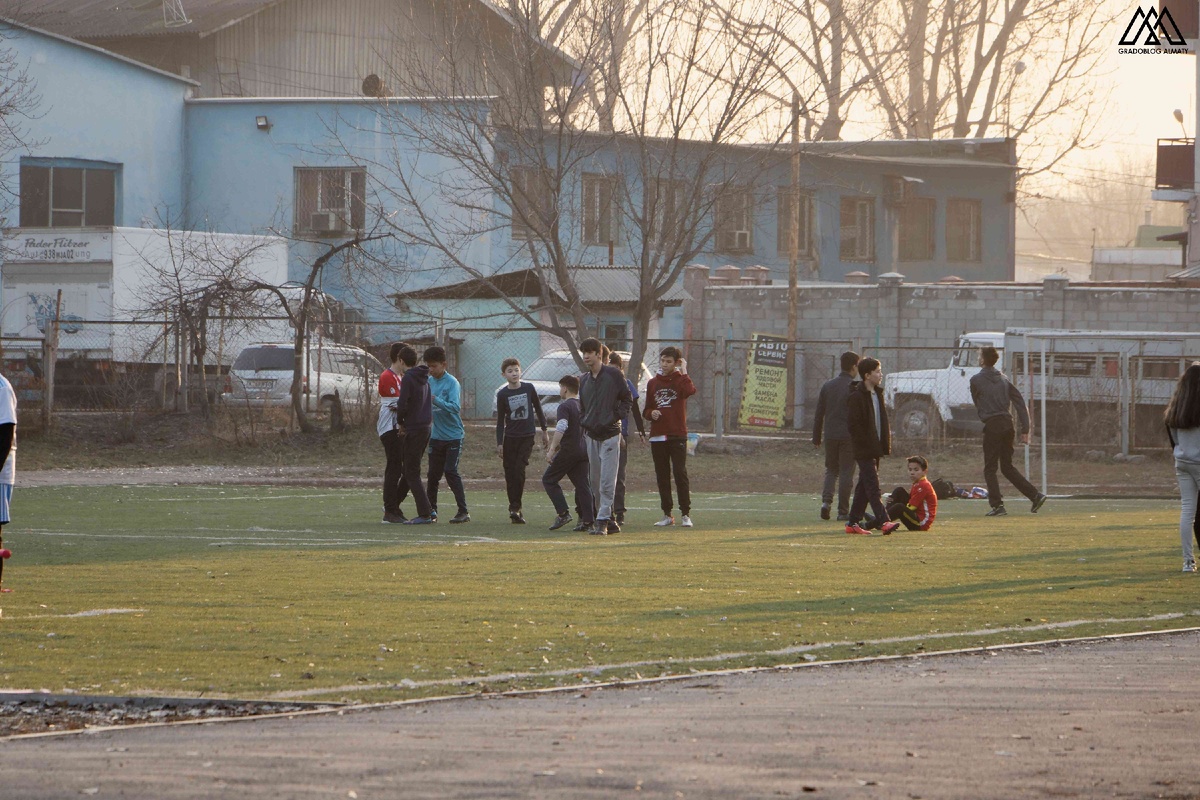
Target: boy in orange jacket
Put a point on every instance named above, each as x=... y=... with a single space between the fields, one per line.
x=915 y=508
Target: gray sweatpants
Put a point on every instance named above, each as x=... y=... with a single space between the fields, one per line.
x=1189 y=485
x=603 y=460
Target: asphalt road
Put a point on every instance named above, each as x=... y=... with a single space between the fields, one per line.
x=1103 y=719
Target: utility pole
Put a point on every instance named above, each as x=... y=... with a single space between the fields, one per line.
x=794 y=265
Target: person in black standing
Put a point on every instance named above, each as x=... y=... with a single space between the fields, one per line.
x=830 y=424
x=615 y=360
x=567 y=456
x=871 y=438
x=414 y=415
x=516 y=404
x=993 y=395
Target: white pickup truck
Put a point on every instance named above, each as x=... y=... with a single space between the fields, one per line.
x=923 y=401
x=1117 y=381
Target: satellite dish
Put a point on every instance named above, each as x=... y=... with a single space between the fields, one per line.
x=174 y=15
x=372 y=86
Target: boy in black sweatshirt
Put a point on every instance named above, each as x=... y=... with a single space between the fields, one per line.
x=414 y=415
x=871 y=438
x=516 y=404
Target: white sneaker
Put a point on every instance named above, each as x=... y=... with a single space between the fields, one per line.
x=1189 y=565
x=686 y=521
x=665 y=521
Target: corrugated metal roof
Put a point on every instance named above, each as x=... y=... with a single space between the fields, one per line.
x=595 y=284
x=105 y=19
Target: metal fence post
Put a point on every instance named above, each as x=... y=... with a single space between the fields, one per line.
x=722 y=374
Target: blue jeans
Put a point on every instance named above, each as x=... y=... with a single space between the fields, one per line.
x=443 y=460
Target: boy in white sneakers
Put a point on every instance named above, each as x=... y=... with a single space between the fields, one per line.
x=666 y=408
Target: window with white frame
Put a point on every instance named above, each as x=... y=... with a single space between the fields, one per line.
x=330 y=201
x=733 y=220
x=666 y=209
x=601 y=210
x=857 y=228
x=914 y=221
x=55 y=196
x=802 y=227
x=532 y=202
x=964 y=220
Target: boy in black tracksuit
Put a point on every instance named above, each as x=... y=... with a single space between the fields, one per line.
x=993 y=395
x=829 y=424
x=516 y=405
x=567 y=457
x=414 y=415
x=866 y=418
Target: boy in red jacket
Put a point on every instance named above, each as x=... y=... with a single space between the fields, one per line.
x=666 y=408
x=916 y=508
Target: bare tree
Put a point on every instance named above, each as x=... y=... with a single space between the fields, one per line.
x=968 y=68
x=194 y=278
x=537 y=176
x=19 y=102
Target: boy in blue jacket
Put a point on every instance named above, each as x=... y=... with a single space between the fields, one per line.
x=447 y=434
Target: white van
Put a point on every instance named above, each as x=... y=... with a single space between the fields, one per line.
x=261 y=376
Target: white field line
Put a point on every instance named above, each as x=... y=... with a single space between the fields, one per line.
x=596 y=669
x=430 y=538
x=95 y=612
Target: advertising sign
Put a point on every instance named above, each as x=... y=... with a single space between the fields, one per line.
x=764 y=392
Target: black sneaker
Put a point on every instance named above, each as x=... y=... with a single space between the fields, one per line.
x=998 y=511
x=560 y=520
x=600 y=528
x=613 y=527
x=843 y=517
x=825 y=511
x=394 y=519
x=583 y=526
x=620 y=519
x=515 y=518
x=460 y=518
x=869 y=523
x=1038 y=502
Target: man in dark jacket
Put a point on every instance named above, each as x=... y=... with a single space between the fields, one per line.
x=993 y=395
x=830 y=422
x=414 y=415
x=871 y=439
x=604 y=401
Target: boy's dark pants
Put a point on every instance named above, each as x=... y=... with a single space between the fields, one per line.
x=516 y=459
x=395 y=488
x=575 y=468
x=444 y=455
x=867 y=491
x=839 y=469
x=622 y=463
x=413 y=444
x=671 y=457
x=899 y=511
x=998 y=436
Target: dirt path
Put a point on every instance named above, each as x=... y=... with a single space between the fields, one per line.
x=1106 y=719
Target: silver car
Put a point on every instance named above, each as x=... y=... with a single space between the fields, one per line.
x=261 y=376
x=545 y=372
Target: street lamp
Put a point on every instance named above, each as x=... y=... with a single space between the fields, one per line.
x=1178 y=113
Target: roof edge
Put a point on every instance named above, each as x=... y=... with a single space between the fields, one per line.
x=107 y=53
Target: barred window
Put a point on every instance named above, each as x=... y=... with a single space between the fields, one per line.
x=330 y=201
x=964 y=220
x=857 y=228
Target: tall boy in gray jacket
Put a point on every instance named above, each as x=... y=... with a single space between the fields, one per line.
x=604 y=400
x=993 y=394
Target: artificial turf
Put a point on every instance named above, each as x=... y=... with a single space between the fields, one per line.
x=290 y=592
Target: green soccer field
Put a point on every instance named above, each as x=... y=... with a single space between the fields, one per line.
x=302 y=593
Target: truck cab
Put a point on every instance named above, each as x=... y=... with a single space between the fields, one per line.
x=924 y=401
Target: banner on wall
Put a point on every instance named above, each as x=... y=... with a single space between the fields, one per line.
x=764 y=392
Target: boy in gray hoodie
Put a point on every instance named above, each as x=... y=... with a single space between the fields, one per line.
x=993 y=394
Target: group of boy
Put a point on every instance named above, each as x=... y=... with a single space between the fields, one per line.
x=420 y=407
x=852 y=422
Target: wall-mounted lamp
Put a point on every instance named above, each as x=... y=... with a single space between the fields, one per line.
x=1179 y=119
x=262 y=123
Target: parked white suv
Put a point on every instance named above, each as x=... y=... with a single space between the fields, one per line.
x=545 y=372
x=261 y=376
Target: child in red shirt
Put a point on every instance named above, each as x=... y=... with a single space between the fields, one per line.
x=916 y=507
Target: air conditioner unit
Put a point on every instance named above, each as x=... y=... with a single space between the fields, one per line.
x=741 y=240
x=324 y=222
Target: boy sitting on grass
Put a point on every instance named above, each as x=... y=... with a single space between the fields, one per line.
x=915 y=508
